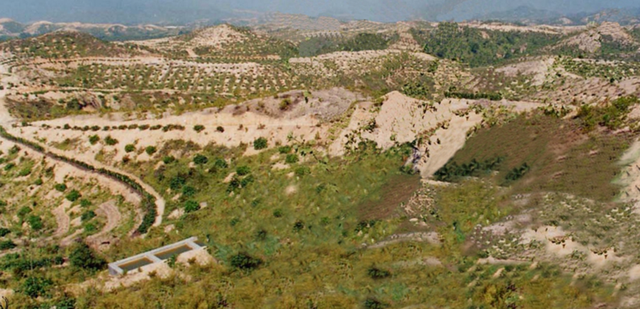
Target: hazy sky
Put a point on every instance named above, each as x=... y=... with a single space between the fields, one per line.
x=175 y=11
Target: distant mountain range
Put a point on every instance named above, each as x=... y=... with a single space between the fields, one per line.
x=130 y=12
x=524 y=14
x=114 y=32
x=527 y=14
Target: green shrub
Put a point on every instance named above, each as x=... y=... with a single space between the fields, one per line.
x=298 y=226
x=188 y=191
x=191 y=206
x=38 y=182
x=284 y=149
x=73 y=196
x=177 y=182
x=87 y=215
x=150 y=150
x=168 y=159
x=130 y=148
x=198 y=128
x=35 y=287
x=90 y=227
x=60 y=187
x=7 y=245
x=260 y=143
x=24 y=172
x=301 y=171
x=110 y=140
x=4 y=231
x=372 y=303
x=220 y=163
x=278 y=213
x=244 y=261
x=243 y=170
x=85 y=203
x=377 y=273
x=83 y=257
x=200 y=159
x=24 y=210
x=93 y=139
x=291 y=158
x=9 y=166
x=35 y=222
x=13 y=150
x=220 y=129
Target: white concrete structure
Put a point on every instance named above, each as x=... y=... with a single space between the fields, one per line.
x=153 y=256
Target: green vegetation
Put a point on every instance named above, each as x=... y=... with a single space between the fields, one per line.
x=198 y=128
x=129 y=148
x=61 y=187
x=559 y=156
x=94 y=139
x=478 y=47
x=260 y=143
x=612 y=116
x=82 y=256
x=150 y=150
x=361 y=41
x=110 y=140
x=73 y=196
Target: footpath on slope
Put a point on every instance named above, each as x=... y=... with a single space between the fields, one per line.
x=148 y=194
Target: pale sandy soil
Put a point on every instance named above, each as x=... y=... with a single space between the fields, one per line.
x=546 y=233
x=538 y=69
x=402 y=119
x=430 y=237
x=62 y=219
x=113 y=216
x=590 y=40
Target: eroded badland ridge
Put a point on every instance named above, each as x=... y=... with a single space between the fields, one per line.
x=323 y=164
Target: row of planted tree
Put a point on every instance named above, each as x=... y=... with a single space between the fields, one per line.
x=148 y=200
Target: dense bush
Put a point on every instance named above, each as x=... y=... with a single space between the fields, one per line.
x=284 y=149
x=87 y=215
x=129 y=148
x=198 y=128
x=60 y=187
x=35 y=287
x=191 y=206
x=83 y=257
x=260 y=143
x=4 y=231
x=377 y=273
x=243 y=170
x=220 y=163
x=200 y=159
x=291 y=158
x=73 y=196
x=168 y=159
x=7 y=244
x=244 y=261
x=516 y=173
x=93 y=139
x=452 y=171
x=110 y=140
x=35 y=222
x=150 y=150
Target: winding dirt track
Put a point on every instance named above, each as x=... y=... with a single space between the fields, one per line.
x=7 y=120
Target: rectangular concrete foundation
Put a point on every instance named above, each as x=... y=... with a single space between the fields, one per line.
x=153 y=256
